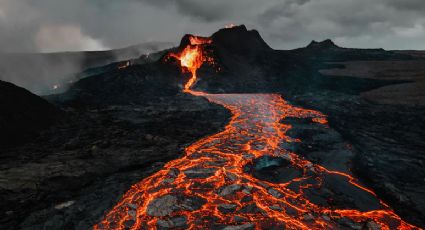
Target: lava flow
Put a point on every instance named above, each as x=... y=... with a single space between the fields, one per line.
x=212 y=186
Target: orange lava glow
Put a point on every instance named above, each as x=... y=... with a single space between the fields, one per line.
x=194 y=40
x=192 y=58
x=255 y=130
x=124 y=65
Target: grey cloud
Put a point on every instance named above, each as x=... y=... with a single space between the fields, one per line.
x=413 y=5
x=283 y=23
x=208 y=11
x=205 y=11
x=357 y=23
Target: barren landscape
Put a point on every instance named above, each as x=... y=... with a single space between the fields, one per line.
x=222 y=132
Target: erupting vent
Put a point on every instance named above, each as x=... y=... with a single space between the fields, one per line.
x=192 y=58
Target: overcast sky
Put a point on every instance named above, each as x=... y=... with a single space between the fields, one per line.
x=59 y=25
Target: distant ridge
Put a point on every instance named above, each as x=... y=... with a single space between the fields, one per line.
x=325 y=44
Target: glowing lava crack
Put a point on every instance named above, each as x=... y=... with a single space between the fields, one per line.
x=210 y=188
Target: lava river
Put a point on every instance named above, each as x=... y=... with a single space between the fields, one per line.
x=211 y=186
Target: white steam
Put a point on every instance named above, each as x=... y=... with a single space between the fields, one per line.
x=56 y=38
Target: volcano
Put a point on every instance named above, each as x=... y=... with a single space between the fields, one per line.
x=224 y=132
x=201 y=189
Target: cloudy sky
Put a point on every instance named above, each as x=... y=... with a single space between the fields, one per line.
x=59 y=25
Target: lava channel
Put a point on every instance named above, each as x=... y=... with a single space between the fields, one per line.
x=210 y=188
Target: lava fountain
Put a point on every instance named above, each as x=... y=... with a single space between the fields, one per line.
x=210 y=188
x=192 y=58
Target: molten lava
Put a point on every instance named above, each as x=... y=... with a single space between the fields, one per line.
x=199 y=190
x=194 y=40
x=192 y=58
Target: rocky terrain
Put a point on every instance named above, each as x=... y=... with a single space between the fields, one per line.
x=388 y=143
x=71 y=173
x=121 y=125
x=409 y=73
x=249 y=176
